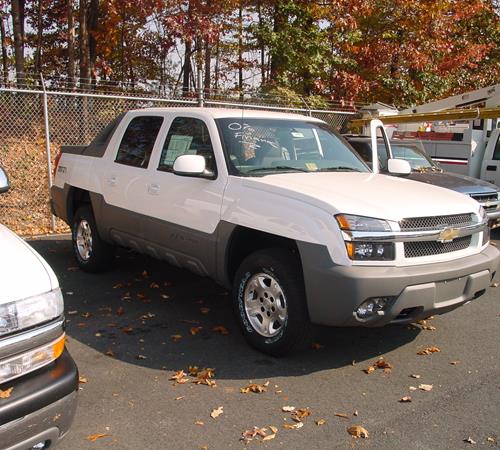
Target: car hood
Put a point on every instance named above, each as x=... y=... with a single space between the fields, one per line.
x=23 y=272
x=459 y=183
x=366 y=194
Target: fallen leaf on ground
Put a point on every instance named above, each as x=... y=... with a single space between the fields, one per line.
x=415 y=376
x=221 y=330
x=195 y=330
x=179 y=377
x=204 y=310
x=217 y=412
x=355 y=413
x=128 y=330
x=490 y=439
x=118 y=286
x=82 y=379
x=72 y=313
x=110 y=353
x=251 y=434
x=288 y=408
x=344 y=416
x=358 y=431
x=141 y=357
x=204 y=377
x=320 y=422
x=317 y=346
x=300 y=414
x=6 y=393
x=406 y=399
x=176 y=337
x=94 y=437
x=369 y=370
x=294 y=426
x=412 y=388
x=269 y=437
x=193 y=370
x=154 y=285
x=383 y=364
x=86 y=315
x=494 y=285
x=454 y=363
x=199 y=422
x=255 y=388
x=120 y=311
x=469 y=440
x=429 y=351
x=179 y=398
x=425 y=387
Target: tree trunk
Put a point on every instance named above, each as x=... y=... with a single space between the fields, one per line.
x=71 y=42
x=217 y=65
x=38 y=52
x=187 y=66
x=261 y=44
x=240 y=49
x=92 y=26
x=5 y=60
x=17 y=19
x=208 y=62
x=280 y=20
x=84 y=43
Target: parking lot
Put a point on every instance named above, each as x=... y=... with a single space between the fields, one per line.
x=131 y=329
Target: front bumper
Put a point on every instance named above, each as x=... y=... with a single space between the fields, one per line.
x=41 y=407
x=335 y=292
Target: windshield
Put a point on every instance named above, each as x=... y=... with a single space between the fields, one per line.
x=267 y=146
x=418 y=160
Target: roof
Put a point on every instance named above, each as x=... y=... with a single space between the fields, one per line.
x=219 y=113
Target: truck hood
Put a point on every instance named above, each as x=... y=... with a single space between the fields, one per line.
x=460 y=183
x=23 y=272
x=366 y=194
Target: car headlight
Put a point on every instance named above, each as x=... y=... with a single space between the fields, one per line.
x=364 y=250
x=349 y=222
x=31 y=311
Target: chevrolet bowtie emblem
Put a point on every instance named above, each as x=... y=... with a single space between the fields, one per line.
x=448 y=234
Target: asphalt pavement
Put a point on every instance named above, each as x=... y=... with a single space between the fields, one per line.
x=131 y=329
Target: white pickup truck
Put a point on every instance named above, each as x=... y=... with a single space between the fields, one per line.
x=280 y=209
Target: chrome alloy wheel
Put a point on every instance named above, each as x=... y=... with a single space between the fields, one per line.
x=84 y=240
x=265 y=305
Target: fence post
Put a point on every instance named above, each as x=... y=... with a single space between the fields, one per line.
x=200 y=88
x=47 y=146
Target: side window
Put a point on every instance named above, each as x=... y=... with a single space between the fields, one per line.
x=138 y=141
x=496 y=152
x=187 y=136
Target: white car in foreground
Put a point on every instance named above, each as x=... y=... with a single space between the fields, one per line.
x=38 y=377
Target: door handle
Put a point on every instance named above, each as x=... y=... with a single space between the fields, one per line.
x=491 y=168
x=154 y=189
x=112 y=180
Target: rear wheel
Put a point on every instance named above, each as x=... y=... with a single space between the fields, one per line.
x=269 y=301
x=91 y=252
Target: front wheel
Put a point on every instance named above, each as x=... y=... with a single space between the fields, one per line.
x=269 y=301
x=91 y=252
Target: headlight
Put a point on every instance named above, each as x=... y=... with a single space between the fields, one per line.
x=32 y=360
x=30 y=311
x=349 y=222
x=370 y=251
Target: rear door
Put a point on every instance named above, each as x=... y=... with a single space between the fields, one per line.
x=127 y=162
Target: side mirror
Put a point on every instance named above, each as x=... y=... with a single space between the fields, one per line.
x=192 y=166
x=398 y=166
x=4 y=181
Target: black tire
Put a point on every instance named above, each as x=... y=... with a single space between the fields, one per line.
x=101 y=254
x=285 y=268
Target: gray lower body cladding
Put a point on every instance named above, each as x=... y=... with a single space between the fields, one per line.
x=335 y=292
x=50 y=423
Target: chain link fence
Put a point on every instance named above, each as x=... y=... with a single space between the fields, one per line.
x=30 y=140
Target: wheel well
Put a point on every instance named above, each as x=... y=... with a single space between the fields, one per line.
x=76 y=198
x=245 y=241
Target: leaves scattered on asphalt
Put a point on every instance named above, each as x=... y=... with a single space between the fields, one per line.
x=255 y=388
x=195 y=330
x=469 y=440
x=406 y=399
x=425 y=326
x=216 y=412
x=320 y=422
x=257 y=432
x=455 y=363
x=428 y=351
x=82 y=379
x=294 y=426
x=6 y=393
x=176 y=337
x=358 y=431
x=415 y=376
x=341 y=415
x=288 y=408
x=300 y=414
x=221 y=329
x=379 y=364
x=94 y=437
x=425 y=387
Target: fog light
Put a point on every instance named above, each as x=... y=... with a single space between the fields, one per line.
x=370 y=251
x=373 y=307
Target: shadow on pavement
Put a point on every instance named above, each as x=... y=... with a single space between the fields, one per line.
x=132 y=312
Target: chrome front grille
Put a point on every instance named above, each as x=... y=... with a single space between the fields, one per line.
x=428 y=248
x=488 y=201
x=436 y=222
